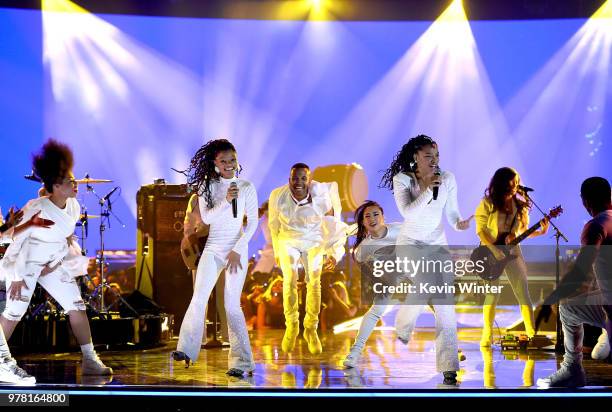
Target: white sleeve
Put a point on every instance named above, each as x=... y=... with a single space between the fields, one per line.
x=335 y=199
x=273 y=220
x=405 y=204
x=452 y=207
x=252 y=214
x=213 y=215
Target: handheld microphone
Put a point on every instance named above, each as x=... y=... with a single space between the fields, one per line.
x=109 y=194
x=234 y=202
x=437 y=173
x=525 y=189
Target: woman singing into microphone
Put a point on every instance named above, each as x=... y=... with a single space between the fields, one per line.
x=422 y=194
x=212 y=173
x=501 y=211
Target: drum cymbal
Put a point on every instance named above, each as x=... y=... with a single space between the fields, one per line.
x=89 y=181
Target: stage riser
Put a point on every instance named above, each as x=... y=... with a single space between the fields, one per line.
x=54 y=335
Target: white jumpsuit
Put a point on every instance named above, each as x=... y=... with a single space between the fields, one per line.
x=423 y=226
x=226 y=234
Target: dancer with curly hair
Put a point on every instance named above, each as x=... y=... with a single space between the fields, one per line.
x=212 y=173
x=46 y=255
x=423 y=193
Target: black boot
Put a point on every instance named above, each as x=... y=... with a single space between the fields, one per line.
x=450 y=377
x=238 y=373
x=181 y=356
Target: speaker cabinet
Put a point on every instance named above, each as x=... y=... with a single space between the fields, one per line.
x=160 y=272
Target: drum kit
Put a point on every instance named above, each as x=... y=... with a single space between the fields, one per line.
x=93 y=294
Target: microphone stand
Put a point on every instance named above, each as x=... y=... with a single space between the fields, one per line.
x=559 y=347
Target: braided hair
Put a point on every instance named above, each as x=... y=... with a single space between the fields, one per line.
x=362 y=232
x=403 y=162
x=201 y=171
x=52 y=163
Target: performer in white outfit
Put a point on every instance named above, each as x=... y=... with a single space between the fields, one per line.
x=413 y=176
x=213 y=173
x=304 y=220
x=372 y=234
x=49 y=255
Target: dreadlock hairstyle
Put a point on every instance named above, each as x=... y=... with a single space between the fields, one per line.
x=500 y=185
x=201 y=171
x=361 y=229
x=52 y=163
x=403 y=162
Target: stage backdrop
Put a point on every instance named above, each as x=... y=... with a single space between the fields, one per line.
x=135 y=96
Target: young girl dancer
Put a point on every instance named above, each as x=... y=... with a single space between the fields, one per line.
x=213 y=172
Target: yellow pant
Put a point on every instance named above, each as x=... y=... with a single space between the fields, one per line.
x=312 y=259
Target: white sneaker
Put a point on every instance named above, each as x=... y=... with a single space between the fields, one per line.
x=565 y=377
x=94 y=366
x=11 y=373
x=601 y=350
x=351 y=359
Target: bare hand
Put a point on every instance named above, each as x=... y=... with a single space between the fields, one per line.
x=233 y=262
x=15 y=290
x=464 y=224
x=38 y=221
x=232 y=193
x=48 y=269
x=329 y=263
x=14 y=217
x=544 y=224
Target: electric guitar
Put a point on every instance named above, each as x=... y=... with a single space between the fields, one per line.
x=493 y=268
x=193 y=246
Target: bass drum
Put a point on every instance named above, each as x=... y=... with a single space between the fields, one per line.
x=352 y=183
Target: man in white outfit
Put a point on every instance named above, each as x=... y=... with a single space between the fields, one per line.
x=304 y=220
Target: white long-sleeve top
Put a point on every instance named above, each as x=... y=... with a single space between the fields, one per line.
x=226 y=232
x=305 y=224
x=423 y=215
x=369 y=245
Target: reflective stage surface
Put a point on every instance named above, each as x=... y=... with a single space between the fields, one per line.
x=385 y=364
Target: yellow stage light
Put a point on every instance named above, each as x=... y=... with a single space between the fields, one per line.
x=65 y=6
x=604 y=12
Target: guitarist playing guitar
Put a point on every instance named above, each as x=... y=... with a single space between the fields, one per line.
x=501 y=217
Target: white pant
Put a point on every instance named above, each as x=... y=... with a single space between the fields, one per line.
x=368 y=323
x=192 y=328
x=573 y=317
x=61 y=286
x=312 y=260
x=446 y=332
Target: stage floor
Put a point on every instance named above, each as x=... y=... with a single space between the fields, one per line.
x=387 y=364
